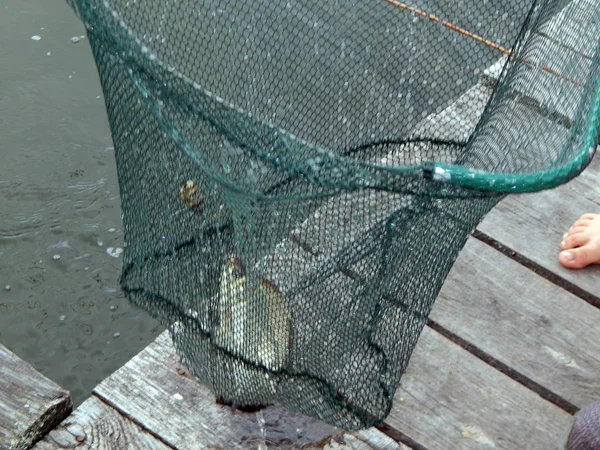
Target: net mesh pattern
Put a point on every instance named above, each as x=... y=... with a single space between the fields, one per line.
x=297 y=178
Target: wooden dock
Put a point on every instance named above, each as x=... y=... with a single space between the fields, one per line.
x=30 y=404
x=510 y=353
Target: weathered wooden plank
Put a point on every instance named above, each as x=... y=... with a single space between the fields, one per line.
x=371 y=438
x=451 y=395
x=30 y=404
x=363 y=440
x=498 y=146
x=534 y=224
x=574 y=27
x=95 y=425
x=524 y=321
x=346 y=218
x=458 y=120
x=154 y=390
x=448 y=399
x=557 y=64
x=551 y=49
x=553 y=77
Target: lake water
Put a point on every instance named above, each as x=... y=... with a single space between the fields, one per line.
x=59 y=205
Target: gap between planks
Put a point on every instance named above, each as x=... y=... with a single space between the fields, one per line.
x=512 y=373
x=131 y=419
x=553 y=277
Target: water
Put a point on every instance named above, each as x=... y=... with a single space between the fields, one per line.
x=276 y=428
x=261 y=424
x=60 y=217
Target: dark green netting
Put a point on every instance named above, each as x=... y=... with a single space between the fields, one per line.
x=298 y=177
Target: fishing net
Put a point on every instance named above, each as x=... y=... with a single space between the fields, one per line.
x=298 y=177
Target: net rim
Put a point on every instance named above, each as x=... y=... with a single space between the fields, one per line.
x=437 y=172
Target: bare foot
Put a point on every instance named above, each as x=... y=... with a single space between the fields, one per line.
x=581 y=244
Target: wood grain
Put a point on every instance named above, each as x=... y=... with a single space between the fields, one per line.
x=30 y=404
x=445 y=395
x=96 y=426
x=458 y=120
x=448 y=399
x=524 y=321
x=374 y=439
x=556 y=61
x=154 y=390
x=574 y=27
x=533 y=224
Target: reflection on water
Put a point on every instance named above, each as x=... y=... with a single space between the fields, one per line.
x=60 y=221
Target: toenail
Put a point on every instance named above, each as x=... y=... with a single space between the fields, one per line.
x=565 y=235
x=569 y=256
x=562 y=243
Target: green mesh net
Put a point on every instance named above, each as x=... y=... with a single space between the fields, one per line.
x=297 y=178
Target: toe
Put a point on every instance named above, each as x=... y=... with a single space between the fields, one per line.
x=582 y=222
x=575 y=229
x=574 y=240
x=589 y=216
x=577 y=258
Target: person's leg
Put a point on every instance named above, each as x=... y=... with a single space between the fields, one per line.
x=581 y=244
x=585 y=433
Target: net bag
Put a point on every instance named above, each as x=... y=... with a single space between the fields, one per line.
x=298 y=177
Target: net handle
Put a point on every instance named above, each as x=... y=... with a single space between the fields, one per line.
x=528 y=182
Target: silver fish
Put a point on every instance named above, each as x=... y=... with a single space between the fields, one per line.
x=255 y=322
